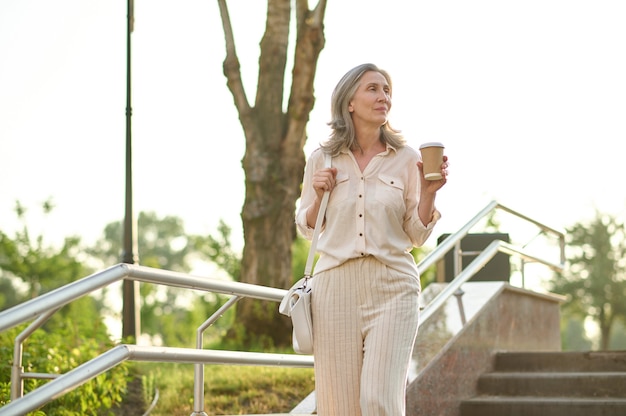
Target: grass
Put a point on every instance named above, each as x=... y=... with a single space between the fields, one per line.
x=228 y=390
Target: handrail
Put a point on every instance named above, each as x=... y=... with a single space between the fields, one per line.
x=120 y=353
x=471 y=269
x=41 y=308
x=454 y=239
x=59 y=297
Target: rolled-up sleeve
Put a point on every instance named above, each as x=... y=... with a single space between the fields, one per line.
x=417 y=231
x=307 y=197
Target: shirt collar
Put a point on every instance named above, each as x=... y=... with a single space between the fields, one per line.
x=389 y=148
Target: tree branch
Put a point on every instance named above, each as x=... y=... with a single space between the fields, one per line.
x=272 y=64
x=310 y=42
x=232 y=68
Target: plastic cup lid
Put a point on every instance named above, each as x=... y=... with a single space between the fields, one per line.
x=431 y=144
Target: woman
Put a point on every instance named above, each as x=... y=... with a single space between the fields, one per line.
x=366 y=283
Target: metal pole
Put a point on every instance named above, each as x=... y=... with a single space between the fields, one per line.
x=198 y=388
x=130 y=312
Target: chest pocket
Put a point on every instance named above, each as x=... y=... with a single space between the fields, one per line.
x=390 y=191
x=341 y=190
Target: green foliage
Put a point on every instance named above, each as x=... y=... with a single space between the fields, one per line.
x=300 y=253
x=171 y=315
x=9 y=294
x=73 y=335
x=161 y=243
x=40 y=266
x=595 y=280
x=574 y=337
x=429 y=275
x=492 y=223
x=219 y=251
x=57 y=352
x=618 y=338
x=148 y=387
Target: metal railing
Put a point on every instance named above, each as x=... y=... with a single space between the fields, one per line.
x=453 y=241
x=40 y=309
x=44 y=306
x=461 y=276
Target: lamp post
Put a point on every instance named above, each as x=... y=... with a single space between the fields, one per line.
x=130 y=308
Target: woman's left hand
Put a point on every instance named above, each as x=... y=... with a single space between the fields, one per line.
x=434 y=186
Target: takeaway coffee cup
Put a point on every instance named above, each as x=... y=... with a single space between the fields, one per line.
x=432 y=156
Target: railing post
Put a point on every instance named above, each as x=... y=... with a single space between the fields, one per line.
x=458 y=258
x=17 y=382
x=198 y=388
x=198 y=391
x=459 y=300
x=17 y=370
x=523 y=272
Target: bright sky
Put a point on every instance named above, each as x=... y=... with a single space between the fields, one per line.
x=529 y=98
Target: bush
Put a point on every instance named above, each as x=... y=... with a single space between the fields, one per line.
x=58 y=352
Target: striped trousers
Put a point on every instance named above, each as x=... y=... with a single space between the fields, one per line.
x=365 y=318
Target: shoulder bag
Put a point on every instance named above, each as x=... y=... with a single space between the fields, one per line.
x=297 y=302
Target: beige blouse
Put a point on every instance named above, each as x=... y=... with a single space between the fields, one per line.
x=370 y=213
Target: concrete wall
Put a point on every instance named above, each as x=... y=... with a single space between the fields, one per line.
x=513 y=319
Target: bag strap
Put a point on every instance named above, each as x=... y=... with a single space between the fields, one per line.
x=318 y=224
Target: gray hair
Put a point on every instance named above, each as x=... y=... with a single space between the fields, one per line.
x=343 y=133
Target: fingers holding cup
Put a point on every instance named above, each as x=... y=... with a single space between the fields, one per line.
x=432 y=160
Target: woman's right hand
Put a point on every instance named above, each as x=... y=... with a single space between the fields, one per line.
x=324 y=180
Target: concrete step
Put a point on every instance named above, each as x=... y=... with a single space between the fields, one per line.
x=561 y=361
x=552 y=383
x=542 y=406
x=546 y=384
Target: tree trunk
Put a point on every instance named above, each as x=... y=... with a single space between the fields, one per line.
x=274 y=159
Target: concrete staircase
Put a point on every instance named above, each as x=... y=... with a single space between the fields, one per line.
x=551 y=383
